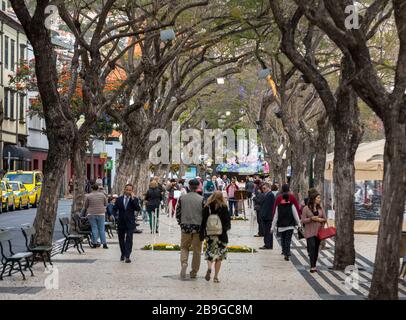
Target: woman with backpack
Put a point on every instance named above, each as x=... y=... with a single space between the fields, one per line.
x=285 y=220
x=216 y=222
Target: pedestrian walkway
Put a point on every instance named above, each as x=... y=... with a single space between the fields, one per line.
x=98 y=274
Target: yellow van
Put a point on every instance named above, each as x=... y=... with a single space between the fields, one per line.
x=32 y=181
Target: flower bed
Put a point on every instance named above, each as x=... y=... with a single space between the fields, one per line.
x=162 y=247
x=175 y=247
x=239 y=218
x=241 y=249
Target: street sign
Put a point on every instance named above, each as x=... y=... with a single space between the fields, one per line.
x=103 y=155
x=108 y=165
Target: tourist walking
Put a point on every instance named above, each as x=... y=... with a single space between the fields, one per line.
x=284 y=222
x=258 y=200
x=173 y=186
x=126 y=206
x=226 y=180
x=95 y=207
x=250 y=187
x=208 y=188
x=292 y=199
x=189 y=214
x=313 y=219
x=216 y=222
x=232 y=203
x=220 y=183
x=266 y=215
x=153 y=199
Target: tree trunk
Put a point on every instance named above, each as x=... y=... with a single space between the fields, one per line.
x=143 y=177
x=79 y=171
x=348 y=134
x=385 y=277
x=127 y=168
x=298 y=183
x=323 y=125
x=44 y=222
x=133 y=165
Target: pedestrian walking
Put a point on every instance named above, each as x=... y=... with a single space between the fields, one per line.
x=126 y=206
x=216 y=222
x=189 y=214
x=292 y=199
x=266 y=215
x=173 y=186
x=95 y=207
x=285 y=220
x=258 y=200
x=208 y=188
x=232 y=203
x=313 y=219
x=250 y=187
x=220 y=183
x=153 y=199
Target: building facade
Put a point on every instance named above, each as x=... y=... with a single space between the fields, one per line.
x=14 y=130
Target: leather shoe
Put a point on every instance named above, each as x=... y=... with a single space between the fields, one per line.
x=265 y=248
x=122 y=258
x=137 y=231
x=127 y=260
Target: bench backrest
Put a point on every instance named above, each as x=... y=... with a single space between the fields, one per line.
x=65 y=225
x=29 y=234
x=5 y=236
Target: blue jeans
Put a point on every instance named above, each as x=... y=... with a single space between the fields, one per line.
x=232 y=203
x=97 y=224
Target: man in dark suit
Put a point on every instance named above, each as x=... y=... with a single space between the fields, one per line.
x=126 y=205
x=266 y=215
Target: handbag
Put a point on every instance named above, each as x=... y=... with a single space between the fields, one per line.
x=325 y=233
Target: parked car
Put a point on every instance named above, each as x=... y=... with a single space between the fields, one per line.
x=7 y=197
x=32 y=181
x=21 y=195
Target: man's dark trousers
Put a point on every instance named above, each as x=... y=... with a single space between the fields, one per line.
x=268 y=236
x=125 y=238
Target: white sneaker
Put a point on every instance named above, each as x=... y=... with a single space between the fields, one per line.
x=183 y=271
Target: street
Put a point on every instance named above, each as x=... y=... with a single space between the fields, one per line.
x=14 y=220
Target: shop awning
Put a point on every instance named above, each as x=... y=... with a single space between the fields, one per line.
x=368 y=161
x=16 y=153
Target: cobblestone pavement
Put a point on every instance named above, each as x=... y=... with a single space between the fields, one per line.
x=98 y=273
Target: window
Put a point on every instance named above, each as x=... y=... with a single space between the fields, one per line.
x=25 y=178
x=22 y=104
x=22 y=51
x=12 y=105
x=6 y=103
x=6 y=52
x=13 y=61
x=3 y=5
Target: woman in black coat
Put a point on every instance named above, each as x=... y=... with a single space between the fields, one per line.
x=216 y=250
x=153 y=199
